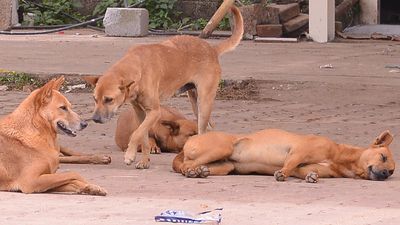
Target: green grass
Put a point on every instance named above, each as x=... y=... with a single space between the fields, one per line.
x=16 y=81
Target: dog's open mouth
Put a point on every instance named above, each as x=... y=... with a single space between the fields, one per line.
x=61 y=126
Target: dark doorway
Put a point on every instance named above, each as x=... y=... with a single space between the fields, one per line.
x=390 y=12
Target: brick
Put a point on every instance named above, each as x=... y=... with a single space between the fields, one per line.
x=295 y=23
x=126 y=22
x=286 y=1
x=269 y=30
x=287 y=12
x=270 y=16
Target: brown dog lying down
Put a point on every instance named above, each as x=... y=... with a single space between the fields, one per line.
x=29 y=152
x=284 y=154
x=147 y=74
x=169 y=134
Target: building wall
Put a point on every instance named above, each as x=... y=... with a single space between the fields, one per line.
x=369 y=11
x=198 y=8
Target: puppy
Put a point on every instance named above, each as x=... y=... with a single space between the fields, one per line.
x=169 y=134
x=29 y=152
x=284 y=154
x=150 y=73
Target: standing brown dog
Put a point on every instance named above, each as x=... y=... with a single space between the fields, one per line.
x=284 y=154
x=29 y=151
x=169 y=134
x=150 y=73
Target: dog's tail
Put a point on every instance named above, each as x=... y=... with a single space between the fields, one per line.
x=177 y=163
x=237 y=34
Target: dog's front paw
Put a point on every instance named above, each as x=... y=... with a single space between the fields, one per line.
x=312 y=177
x=279 y=176
x=129 y=158
x=92 y=189
x=155 y=149
x=143 y=164
x=102 y=159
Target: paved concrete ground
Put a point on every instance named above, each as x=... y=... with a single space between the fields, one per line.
x=84 y=54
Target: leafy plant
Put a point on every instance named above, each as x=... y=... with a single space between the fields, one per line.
x=52 y=12
x=17 y=80
x=162 y=13
x=200 y=23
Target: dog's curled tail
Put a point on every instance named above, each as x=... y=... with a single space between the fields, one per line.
x=177 y=163
x=237 y=34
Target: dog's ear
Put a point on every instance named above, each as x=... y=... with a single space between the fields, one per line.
x=128 y=88
x=92 y=80
x=58 y=83
x=173 y=126
x=383 y=140
x=45 y=94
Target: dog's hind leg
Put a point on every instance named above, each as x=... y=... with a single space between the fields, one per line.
x=46 y=182
x=80 y=188
x=207 y=91
x=192 y=94
x=221 y=168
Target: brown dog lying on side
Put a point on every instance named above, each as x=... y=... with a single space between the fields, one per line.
x=284 y=154
x=150 y=73
x=169 y=134
x=29 y=151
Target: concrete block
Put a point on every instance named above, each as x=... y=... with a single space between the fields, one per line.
x=269 y=30
x=322 y=20
x=295 y=23
x=288 y=11
x=5 y=14
x=126 y=22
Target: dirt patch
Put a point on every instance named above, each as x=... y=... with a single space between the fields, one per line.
x=238 y=90
x=16 y=81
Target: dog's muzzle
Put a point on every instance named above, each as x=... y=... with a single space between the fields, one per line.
x=65 y=129
x=379 y=174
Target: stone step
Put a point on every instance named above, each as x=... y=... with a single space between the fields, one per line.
x=295 y=23
x=287 y=12
x=269 y=30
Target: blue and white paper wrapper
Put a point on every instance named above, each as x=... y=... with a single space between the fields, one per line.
x=175 y=216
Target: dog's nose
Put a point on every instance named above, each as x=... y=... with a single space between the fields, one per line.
x=385 y=173
x=84 y=124
x=96 y=118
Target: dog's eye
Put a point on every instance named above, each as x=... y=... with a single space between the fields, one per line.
x=384 y=157
x=108 y=100
x=64 y=108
